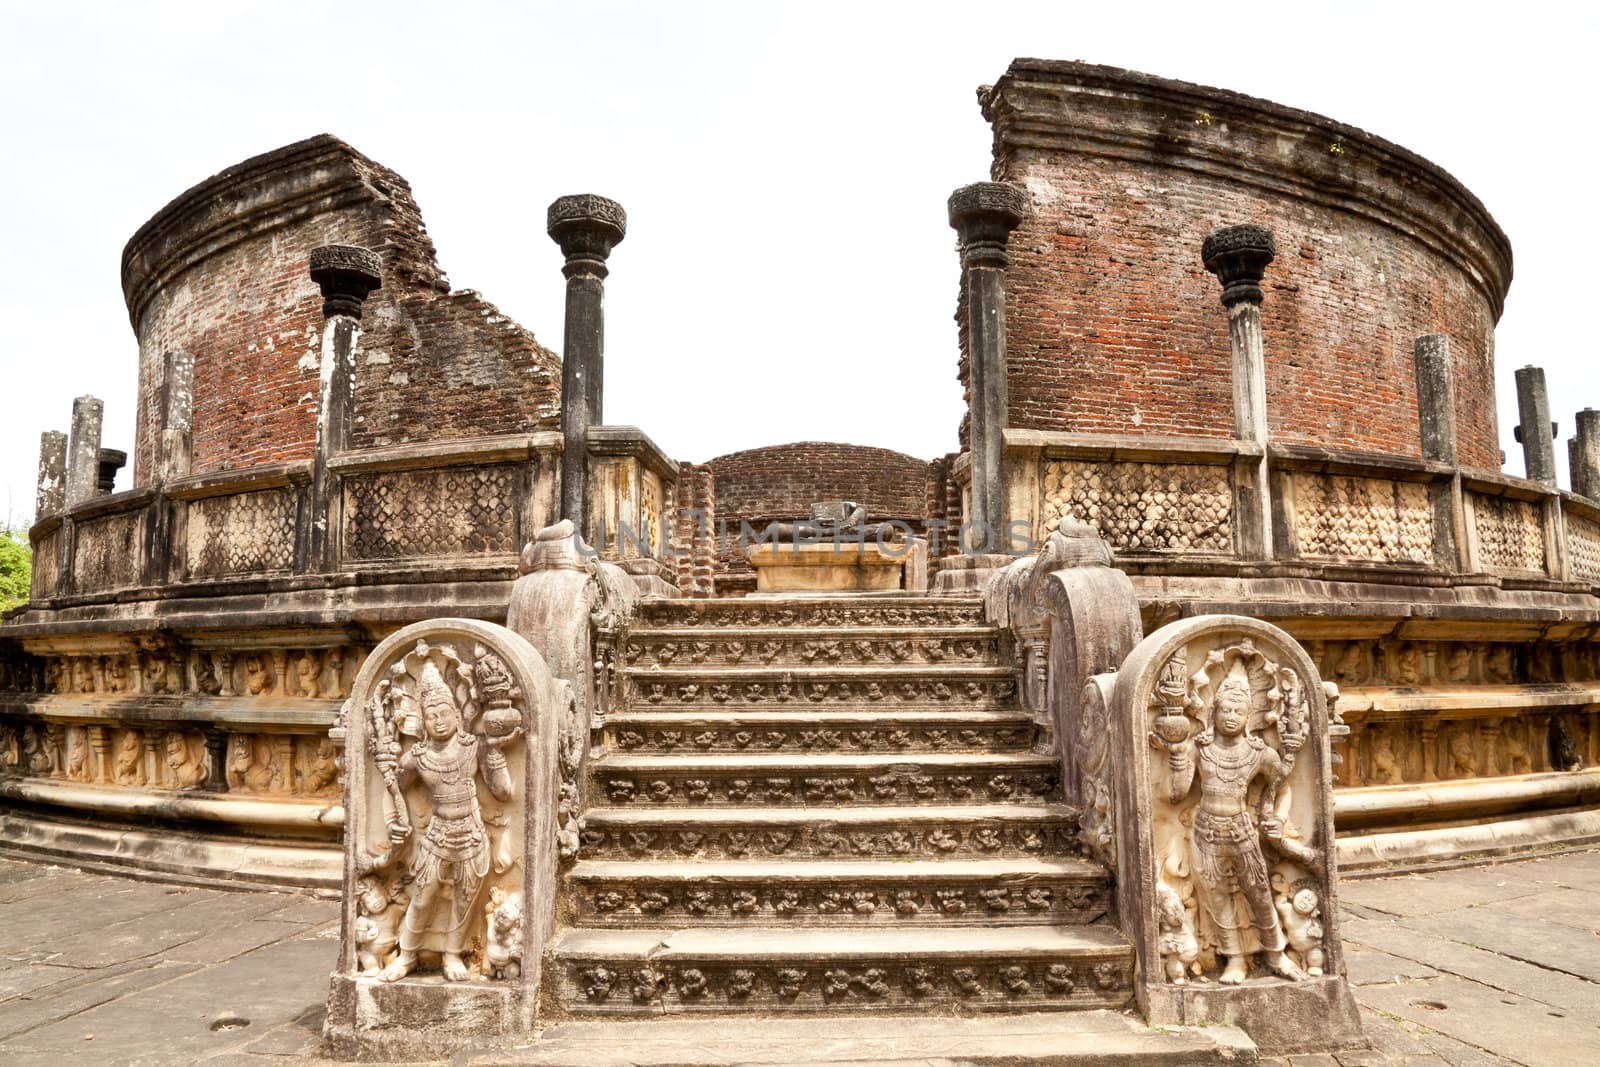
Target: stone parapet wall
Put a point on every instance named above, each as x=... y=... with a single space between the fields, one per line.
x=1113 y=325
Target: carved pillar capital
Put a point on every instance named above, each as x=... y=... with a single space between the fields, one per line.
x=587 y=227
x=1238 y=256
x=984 y=214
x=347 y=274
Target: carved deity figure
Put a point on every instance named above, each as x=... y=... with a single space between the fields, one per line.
x=258 y=676
x=323 y=773
x=250 y=764
x=127 y=768
x=1458 y=665
x=1385 y=764
x=1518 y=760
x=1463 y=762
x=1301 y=913
x=1352 y=666
x=1230 y=873
x=308 y=673
x=452 y=856
x=502 y=957
x=78 y=754
x=1497 y=665
x=1408 y=665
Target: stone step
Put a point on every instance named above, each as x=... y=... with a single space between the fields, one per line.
x=987 y=892
x=794 y=970
x=1098 y=1037
x=750 y=646
x=842 y=611
x=773 y=779
x=929 y=832
x=886 y=730
x=837 y=687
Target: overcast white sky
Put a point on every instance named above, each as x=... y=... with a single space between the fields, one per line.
x=788 y=272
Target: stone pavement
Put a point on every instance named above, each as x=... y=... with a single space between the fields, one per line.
x=1494 y=964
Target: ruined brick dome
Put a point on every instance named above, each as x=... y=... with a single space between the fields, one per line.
x=219 y=274
x=783 y=481
x=1113 y=323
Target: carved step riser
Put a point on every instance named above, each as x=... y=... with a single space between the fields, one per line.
x=633 y=987
x=923 y=841
x=928 y=693
x=692 y=615
x=846 y=651
x=734 y=790
x=793 y=738
x=1015 y=902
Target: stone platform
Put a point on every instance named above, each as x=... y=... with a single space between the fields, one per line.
x=1473 y=966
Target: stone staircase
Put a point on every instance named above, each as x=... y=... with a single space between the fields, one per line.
x=828 y=805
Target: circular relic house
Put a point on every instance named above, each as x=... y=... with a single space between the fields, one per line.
x=1294 y=422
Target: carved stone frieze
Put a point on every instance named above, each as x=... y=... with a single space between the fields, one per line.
x=952 y=839
x=795 y=693
x=243 y=533
x=902 y=784
x=1369 y=519
x=817 y=651
x=446 y=511
x=1143 y=507
x=844 y=985
x=1583 y=547
x=307 y=673
x=743 y=615
x=822 y=737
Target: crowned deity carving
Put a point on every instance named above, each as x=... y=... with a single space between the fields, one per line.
x=1230 y=733
x=439 y=727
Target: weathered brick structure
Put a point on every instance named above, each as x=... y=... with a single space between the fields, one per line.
x=319 y=462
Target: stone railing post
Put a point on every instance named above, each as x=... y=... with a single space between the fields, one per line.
x=51 y=494
x=1585 y=455
x=177 y=415
x=1436 y=421
x=346 y=275
x=83 y=458
x=1238 y=256
x=587 y=228
x=983 y=215
x=1536 y=433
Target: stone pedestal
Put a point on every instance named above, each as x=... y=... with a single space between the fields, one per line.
x=967 y=575
x=631 y=489
x=828 y=568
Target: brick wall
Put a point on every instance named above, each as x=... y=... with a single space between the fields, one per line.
x=1113 y=324
x=221 y=272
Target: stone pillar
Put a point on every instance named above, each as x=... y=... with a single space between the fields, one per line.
x=1585 y=455
x=52 y=474
x=177 y=412
x=1238 y=256
x=347 y=275
x=111 y=461
x=83 y=454
x=587 y=228
x=1436 y=397
x=983 y=215
x=1436 y=421
x=1536 y=433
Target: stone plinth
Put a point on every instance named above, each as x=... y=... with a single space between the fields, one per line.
x=827 y=568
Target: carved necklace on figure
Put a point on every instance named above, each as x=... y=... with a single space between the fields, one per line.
x=452 y=764
x=1231 y=766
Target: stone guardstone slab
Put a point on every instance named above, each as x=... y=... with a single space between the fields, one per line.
x=452 y=733
x=1224 y=825
x=846 y=567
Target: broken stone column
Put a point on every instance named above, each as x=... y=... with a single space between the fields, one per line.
x=52 y=474
x=984 y=214
x=177 y=404
x=1238 y=256
x=1536 y=433
x=1436 y=421
x=587 y=228
x=1436 y=398
x=83 y=459
x=1585 y=455
x=347 y=275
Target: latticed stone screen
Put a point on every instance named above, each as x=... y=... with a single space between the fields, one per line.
x=1510 y=533
x=1143 y=507
x=106 y=554
x=1583 y=545
x=450 y=511
x=247 y=533
x=1370 y=519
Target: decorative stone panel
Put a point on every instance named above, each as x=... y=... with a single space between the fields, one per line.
x=46 y=567
x=1583 y=548
x=1510 y=533
x=1370 y=519
x=1143 y=507
x=246 y=533
x=107 y=553
x=450 y=511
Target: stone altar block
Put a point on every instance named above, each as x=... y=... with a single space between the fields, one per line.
x=1224 y=833
x=846 y=567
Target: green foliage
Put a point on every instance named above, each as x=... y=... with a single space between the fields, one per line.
x=16 y=569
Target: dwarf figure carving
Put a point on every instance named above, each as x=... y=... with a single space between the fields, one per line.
x=452 y=855
x=1179 y=947
x=1230 y=873
x=1301 y=914
x=128 y=768
x=187 y=770
x=377 y=928
x=502 y=958
x=308 y=673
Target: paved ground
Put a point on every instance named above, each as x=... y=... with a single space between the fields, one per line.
x=1481 y=965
